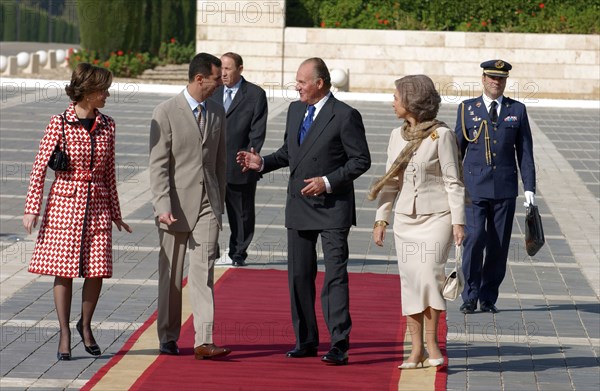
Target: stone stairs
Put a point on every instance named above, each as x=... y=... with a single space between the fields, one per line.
x=166 y=74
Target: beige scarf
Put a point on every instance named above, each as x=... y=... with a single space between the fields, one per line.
x=414 y=136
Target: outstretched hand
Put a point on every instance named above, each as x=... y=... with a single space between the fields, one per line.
x=249 y=160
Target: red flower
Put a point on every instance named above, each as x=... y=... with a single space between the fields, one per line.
x=106 y=64
x=96 y=61
x=380 y=21
x=533 y=14
x=120 y=53
x=483 y=23
x=173 y=40
x=337 y=24
x=468 y=24
x=77 y=58
x=542 y=5
x=518 y=12
x=386 y=22
x=323 y=24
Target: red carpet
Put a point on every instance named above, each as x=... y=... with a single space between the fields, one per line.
x=253 y=319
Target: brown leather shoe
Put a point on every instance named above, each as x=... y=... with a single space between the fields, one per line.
x=209 y=350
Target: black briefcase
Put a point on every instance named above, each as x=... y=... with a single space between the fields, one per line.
x=534 y=232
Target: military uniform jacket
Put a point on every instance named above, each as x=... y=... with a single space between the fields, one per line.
x=510 y=145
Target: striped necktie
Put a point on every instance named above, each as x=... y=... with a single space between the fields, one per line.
x=201 y=119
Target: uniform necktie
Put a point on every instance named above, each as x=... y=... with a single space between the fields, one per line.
x=228 y=99
x=308 y=120
x=201 y=120
x=493 y=112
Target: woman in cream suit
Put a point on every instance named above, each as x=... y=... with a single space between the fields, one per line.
x=423 y=176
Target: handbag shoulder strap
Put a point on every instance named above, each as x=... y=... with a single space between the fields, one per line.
x=64 y=140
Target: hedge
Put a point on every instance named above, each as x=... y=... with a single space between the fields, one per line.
x=33 y=25
x=523 y=16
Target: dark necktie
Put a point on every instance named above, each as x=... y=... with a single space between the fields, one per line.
x=493 y=112
x=308 y=120
x=228 y=99
x=201 y=120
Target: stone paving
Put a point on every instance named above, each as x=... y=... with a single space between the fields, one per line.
x=546 y=337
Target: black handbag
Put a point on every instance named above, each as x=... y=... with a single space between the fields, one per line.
x=59 y=160
x=534 y=232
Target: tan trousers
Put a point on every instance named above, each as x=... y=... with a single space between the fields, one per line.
x=202 y=243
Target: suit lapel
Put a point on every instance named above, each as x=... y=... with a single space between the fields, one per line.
x=212 y=121
x=187 y=114
x=318 y=126
x=504 y=110
x=239 y=96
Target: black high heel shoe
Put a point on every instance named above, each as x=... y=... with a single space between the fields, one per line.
x=63 y=356
x=94 y=349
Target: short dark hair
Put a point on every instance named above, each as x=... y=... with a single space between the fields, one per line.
x=321 y=70
x=237 y=59
x=419 y=96
x=202 y=65
x=87 y=78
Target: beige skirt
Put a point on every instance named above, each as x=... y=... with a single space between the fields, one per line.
x=422 y=246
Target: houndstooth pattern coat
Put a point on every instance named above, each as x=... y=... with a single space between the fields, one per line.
x=75 y=237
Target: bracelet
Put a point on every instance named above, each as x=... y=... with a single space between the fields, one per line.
x=380 y=223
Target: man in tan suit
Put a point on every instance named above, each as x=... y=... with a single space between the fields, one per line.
x=187 y=179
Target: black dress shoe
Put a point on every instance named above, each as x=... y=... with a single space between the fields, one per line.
x=169 y=348
x=240 y=262
x=486 y=306
x=335 y=356
x=468 y=307
x=301 y=353
x=94 y=349
x=63 y=356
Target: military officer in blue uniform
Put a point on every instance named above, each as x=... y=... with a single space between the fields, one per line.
x=495 y=138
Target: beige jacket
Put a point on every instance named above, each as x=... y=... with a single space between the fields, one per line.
x=182 y=163
x=431 y=182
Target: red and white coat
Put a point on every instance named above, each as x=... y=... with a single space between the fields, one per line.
x=69 y=243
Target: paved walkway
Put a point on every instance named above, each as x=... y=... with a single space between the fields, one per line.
x=546 y=337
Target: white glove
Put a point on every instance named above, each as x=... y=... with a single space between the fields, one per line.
x=529 y=198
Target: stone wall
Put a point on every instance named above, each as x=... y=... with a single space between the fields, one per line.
x=544 y=65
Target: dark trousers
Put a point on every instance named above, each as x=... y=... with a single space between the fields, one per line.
x=335 y=300
x=489 y=226
x=239 y=201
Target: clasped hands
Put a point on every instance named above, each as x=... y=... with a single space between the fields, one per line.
x=253 y=161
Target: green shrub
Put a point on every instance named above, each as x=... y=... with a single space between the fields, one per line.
x=121 y=64
x=173 y=52
x=523 y=16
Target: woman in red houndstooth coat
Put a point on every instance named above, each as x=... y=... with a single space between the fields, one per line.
x=75 y=237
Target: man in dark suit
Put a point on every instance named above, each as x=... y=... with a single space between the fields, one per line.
x=246 y=111
x=494 y=137
x=326 y=150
